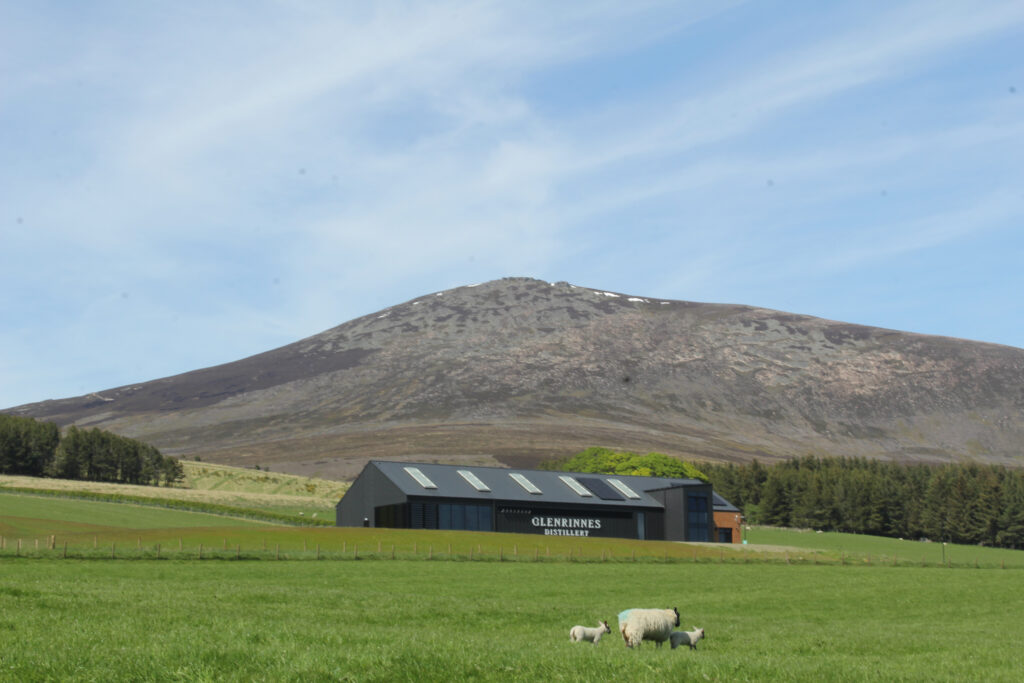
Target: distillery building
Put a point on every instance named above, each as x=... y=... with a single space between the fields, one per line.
x=432 y=496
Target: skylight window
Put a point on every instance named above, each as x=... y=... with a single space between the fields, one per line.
x=525 y=483
x=474 y=480
x=625 y=490
x=421 y=479
x=575 y=486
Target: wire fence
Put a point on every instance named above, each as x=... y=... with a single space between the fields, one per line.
x=52 y=547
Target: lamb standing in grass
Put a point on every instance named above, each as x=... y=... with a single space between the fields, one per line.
x=578 y=634
x=690 y=638
x=638 y=625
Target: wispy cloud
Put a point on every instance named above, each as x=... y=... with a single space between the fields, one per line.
x=248 y=173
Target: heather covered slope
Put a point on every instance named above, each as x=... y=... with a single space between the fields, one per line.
x=515 y=370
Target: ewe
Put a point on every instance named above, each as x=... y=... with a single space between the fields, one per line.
x=638 y=625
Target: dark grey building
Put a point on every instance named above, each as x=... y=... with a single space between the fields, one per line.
x=430 y=496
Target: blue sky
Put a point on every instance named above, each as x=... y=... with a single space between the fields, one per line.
x=188 y=183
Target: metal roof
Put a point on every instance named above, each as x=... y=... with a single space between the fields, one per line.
x=451 y=484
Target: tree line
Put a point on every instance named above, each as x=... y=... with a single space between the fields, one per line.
x=607 y=461
x=38 y=449
x=959 y=503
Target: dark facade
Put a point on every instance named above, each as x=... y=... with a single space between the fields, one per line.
x=431 y=496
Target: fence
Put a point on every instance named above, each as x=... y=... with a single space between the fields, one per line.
x=50 y=547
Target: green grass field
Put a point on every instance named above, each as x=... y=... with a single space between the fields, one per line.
x=861 y=548
x=476 y=606
x=443 y=621
x=283 y=495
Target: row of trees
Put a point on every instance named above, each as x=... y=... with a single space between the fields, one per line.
x=38 y=449
x=961 y=503
x=607 y=461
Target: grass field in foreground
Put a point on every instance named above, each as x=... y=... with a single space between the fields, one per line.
x=444 y=621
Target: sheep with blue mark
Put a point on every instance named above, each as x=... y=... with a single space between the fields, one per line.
x=638 y=625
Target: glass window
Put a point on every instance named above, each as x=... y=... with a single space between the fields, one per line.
x=484 y=518
x=458 y=516
x=697 y=518
x=421 y=479
x=525 y=483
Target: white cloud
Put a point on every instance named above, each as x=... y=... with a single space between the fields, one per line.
x=191 y=157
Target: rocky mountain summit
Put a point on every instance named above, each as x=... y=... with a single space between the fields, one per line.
x=517 y=370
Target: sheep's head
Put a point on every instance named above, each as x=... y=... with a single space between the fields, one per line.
x=607 y=628
x=676 y=610
x=699 y=632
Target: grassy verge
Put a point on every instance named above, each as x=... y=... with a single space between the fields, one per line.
x=217 y=489
x=423 y=621
x=879 y=550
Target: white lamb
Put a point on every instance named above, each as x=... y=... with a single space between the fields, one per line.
x=578 y=634
x=638 y=625
x=690 y=638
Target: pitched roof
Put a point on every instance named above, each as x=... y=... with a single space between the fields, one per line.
x=445 y=481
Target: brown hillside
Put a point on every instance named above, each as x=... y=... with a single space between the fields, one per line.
x=516 y=370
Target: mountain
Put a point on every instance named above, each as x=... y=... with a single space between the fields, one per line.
x=517 y=370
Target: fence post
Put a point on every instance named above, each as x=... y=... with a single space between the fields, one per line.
x=277 y=551
x=318 y=551
x=501 y=553
x=158 y=551
x=355 y=551
x=65 y=550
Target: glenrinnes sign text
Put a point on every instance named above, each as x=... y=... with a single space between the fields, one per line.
x=566 y=526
